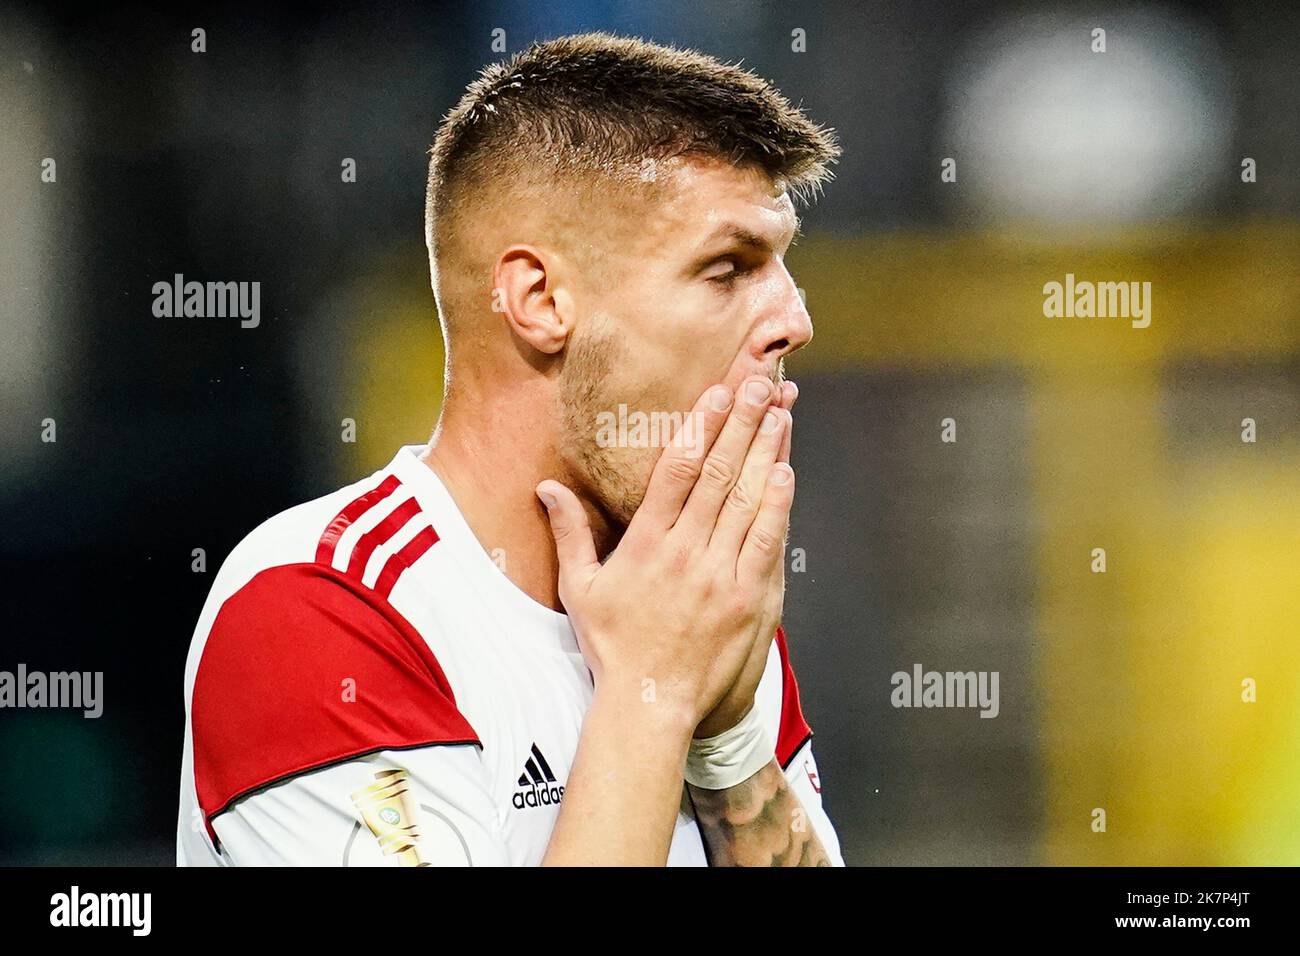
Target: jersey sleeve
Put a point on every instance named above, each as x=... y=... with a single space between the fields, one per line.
x=425 y=807
x=308 y=683
x=794 y=751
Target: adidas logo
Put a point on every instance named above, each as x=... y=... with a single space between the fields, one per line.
x=537 y=785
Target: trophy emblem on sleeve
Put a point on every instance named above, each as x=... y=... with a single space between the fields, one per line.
x=388 y=809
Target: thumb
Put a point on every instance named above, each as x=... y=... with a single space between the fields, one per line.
x=573 y=542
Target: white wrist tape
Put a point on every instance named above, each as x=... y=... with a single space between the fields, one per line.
x=732 y=757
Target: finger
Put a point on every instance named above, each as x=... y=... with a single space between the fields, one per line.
x=764 y=545
x=742 y=502
x=679 y=464
x=721 y=466
x=787 y=435
x=789 y=395
x=574 y=546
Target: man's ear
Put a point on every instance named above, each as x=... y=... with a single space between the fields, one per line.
x=526 y=290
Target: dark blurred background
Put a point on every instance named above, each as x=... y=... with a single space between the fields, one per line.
x=1119 y=691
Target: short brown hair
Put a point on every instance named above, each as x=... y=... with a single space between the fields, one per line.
x=596 y=103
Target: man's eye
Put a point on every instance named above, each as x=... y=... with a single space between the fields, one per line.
x=730 y=275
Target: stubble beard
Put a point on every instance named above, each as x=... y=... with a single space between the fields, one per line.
x=613 y=480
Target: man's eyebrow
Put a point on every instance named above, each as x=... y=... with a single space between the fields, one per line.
x=739 y=234
x=747 y=237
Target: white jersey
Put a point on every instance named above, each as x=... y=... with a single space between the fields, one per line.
x=366 y=687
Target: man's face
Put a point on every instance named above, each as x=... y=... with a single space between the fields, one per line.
x=697 y=294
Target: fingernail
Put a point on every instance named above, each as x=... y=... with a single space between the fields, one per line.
x=548 y=499
x=757 y=392
x=770 y=423
x=719 y=398
x=781 y=473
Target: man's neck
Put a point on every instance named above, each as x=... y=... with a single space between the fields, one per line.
x=491 y=467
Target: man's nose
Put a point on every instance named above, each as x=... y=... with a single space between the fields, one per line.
x=787 y=327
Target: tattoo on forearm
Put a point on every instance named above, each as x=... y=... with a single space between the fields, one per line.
x=757 y=823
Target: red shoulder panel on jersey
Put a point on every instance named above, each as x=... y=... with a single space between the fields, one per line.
x=306 y=667
x=794 y=732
